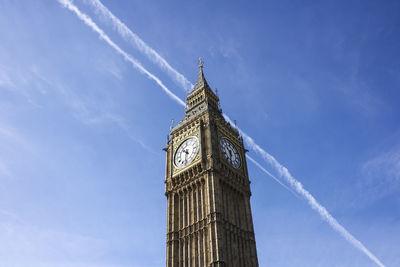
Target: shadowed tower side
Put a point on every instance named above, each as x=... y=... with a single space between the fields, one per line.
x=209 y=221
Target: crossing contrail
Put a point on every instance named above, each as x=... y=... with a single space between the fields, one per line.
x=298 y=187
x=279 y=168
x=135 y=63
x=135 y=40
x=270 y=175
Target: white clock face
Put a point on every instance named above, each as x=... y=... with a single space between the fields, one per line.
x=230 y=153
x=186 y=152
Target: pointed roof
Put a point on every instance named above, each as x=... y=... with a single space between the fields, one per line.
x=201 y=80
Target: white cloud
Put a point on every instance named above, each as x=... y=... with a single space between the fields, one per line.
x=25 y=244
x=11 y=143
x=5 y=80
x=123 y=125
x=87 y=113
x=382 y=173
x=15 y=81
x=4 y=169
x=109 y=67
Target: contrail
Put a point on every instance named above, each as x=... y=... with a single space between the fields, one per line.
x=135 y=40
x=88 y=21
x=282 y=171
x=271 y=175
x=298 y=187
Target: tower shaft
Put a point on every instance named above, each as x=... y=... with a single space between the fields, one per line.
x=209 y=221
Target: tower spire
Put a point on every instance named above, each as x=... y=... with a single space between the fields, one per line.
x=200 y=64
x=201 y=80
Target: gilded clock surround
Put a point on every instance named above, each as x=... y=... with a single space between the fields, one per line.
x=209 y=220
x=195 y=159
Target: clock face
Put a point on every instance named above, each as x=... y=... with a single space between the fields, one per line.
x=230 y=153
x=186 y=152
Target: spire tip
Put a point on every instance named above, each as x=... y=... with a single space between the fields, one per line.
x=200 y=63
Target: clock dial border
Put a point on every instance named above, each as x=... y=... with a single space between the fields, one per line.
x=195 y=156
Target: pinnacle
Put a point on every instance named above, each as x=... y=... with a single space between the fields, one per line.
x=201 y=80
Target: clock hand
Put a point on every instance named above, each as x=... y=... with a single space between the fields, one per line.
x=185 y=157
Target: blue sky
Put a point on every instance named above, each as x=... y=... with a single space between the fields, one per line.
x=315 y=83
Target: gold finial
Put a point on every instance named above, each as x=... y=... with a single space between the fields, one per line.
x=172 y=125
x=200 y=63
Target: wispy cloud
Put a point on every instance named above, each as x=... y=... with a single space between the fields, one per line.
x=109 y=67
x=10 y=134
x=136 y=64
x=10 y=142
x=25 y=244
x=36 y=81
x=5 y=80
x=381 y=174
x=92 y=114
x=13 y=80
x=135 y=40
x=4 y=170
x=122 y=124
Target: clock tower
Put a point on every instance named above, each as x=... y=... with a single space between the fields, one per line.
x=209 y=221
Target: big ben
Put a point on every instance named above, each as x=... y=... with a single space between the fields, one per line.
x=209 y=221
